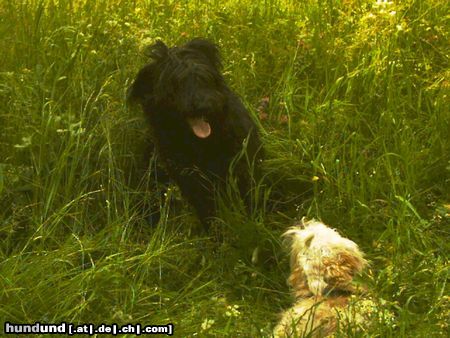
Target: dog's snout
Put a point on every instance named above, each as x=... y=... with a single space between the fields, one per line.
x=207 y=101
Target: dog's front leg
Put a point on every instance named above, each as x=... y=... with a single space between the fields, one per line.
x=199 y=191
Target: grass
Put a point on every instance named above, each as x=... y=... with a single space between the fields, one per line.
x=356 y=134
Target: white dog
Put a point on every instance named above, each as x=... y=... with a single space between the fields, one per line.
x=323 y=264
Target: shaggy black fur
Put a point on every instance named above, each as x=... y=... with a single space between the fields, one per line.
x=199 y=125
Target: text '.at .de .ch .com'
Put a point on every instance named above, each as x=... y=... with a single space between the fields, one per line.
x=89 y=329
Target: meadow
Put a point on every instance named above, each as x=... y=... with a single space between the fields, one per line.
x=356 y=133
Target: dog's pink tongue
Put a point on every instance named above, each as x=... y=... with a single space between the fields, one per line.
x=200 y=127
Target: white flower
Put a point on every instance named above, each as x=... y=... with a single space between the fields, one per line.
x=232 y=311
x=207 y=323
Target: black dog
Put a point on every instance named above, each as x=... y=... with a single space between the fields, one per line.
x=199 y=125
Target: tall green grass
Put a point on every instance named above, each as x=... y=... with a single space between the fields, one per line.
x=356 y=134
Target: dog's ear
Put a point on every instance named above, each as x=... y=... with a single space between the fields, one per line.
x=308 y=240
x=142 y=86
x=208 y=49
x=157 y=51
x=353 y=261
